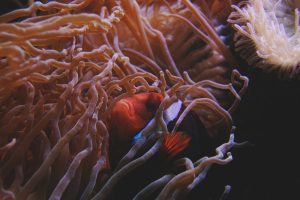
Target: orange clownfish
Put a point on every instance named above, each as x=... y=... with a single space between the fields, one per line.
x=130 y=115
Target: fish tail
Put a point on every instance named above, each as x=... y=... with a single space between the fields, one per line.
x=175 y=143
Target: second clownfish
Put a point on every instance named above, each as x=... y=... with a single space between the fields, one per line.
x=129 y=116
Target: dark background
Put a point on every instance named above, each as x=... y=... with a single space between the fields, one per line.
x=9 y=5
x=268 y=117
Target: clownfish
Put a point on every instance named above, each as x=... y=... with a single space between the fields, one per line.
x=129 y=116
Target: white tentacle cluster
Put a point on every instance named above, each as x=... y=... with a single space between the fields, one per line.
x=272 y=28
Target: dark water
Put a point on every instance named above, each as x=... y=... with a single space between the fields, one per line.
x=9 y=5
x=268 y=117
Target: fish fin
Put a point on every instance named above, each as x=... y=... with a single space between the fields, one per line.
x=136 y=138
x=174 y=143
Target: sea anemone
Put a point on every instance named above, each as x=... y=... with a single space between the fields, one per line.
x=65 y=64
x=263 y=26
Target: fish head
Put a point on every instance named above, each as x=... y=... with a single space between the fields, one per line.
x=129 y=115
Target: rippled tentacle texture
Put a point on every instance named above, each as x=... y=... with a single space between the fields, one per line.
x=262 y=26
x=64 y=64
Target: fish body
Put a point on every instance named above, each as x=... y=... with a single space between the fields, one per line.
x=131 y=114
x=128 y=116
x=189 y=141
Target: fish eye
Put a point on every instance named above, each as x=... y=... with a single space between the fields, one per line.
x=151 y=106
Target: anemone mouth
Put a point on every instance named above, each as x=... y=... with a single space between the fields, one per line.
x=267 y=35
